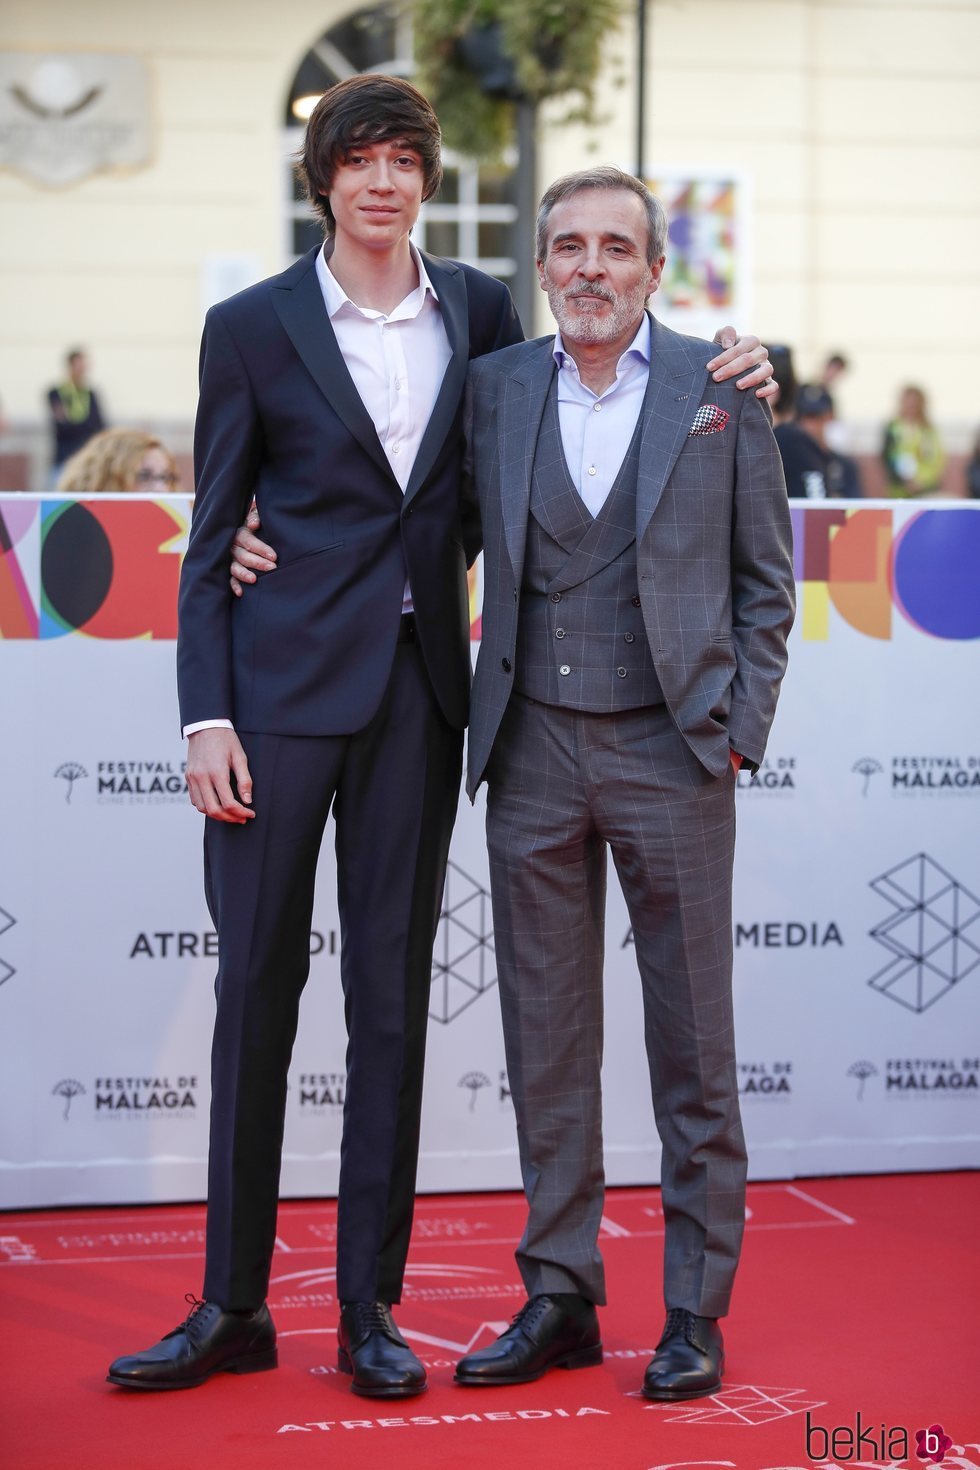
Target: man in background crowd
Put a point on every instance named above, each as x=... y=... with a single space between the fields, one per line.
x=813 y=470
x=75 y=410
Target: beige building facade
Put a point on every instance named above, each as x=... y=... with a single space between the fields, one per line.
x=853 y=127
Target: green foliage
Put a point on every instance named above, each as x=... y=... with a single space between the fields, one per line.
x=556 y=47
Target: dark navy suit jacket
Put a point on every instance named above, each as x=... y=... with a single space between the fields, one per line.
x=308 y=651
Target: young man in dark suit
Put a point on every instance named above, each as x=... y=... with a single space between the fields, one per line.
x=333 y=394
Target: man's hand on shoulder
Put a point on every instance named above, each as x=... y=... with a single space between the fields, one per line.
x=213 y=757
x=742 y=355
x=249 y=555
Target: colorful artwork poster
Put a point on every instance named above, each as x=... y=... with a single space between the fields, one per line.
x=703 y=244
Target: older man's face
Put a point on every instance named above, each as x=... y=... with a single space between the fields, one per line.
x=595 y=269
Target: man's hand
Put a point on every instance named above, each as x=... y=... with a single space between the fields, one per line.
x=736 y=761
x=213 y=757
x=248 y=554
x=744 y=355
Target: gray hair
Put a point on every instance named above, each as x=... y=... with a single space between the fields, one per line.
x=603 y=177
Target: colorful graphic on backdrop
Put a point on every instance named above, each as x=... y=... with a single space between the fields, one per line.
x=865 y=563
x=103 y=568
x=62 y=572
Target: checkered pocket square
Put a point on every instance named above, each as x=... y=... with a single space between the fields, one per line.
x=709 y=419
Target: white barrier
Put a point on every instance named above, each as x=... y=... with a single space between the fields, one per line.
x=857 y=894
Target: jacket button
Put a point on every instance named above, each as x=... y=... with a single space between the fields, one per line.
x=564 y=669
x=559 y=632
x=556 y=597
x=505 y=665
x=636 y=602
x=621 y=672
x=628 y=638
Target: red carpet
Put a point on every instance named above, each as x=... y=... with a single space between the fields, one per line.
x=854 y=1296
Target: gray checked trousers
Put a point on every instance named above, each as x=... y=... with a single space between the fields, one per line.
x=564 y=786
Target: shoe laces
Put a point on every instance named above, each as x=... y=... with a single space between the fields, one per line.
x=531 y=1313
x=372 y=1317
x=679 y=1320
x=192 y=1323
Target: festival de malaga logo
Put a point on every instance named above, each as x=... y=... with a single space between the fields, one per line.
x=929 y=776
x=127 y=782
x=134 y=1098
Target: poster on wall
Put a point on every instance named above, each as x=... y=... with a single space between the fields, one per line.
x=705 y=282
x=857 y=889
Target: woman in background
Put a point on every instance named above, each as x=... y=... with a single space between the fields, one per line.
x=119 y=460
x=913 y=454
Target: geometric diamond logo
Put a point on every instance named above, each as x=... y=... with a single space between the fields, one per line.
x=933 y=933
x=463 y=963
x=744 y=1404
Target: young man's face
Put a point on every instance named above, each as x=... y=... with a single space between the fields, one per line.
x=376 y=194
x=595 y=269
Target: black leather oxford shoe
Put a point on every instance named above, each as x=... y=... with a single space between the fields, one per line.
x=208 y=1341
x=689 y=1360
x=546 y=1333
x=374 y=1352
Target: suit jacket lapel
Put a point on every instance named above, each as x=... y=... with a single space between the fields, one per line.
x=298 y=302
x=450 y=287
x=676 y=385
x=520 y=421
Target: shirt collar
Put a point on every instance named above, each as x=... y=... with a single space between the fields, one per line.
x=640 y=346
x=336 y=297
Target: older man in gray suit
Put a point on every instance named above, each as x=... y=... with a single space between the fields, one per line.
x=638 y=595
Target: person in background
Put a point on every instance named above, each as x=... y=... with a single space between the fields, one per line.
x=783 y=402
x=912 y=451
x=813 y=471
x=76 y=414
x=120 y=460
x=836 y=432
x=973 y=471
x=835 y=367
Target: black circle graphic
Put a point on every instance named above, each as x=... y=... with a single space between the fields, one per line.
x=76 y=566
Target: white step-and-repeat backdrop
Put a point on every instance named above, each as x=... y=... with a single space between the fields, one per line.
x=857 y=898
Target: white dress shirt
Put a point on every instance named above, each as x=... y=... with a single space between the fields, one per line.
x=596 y=429
x=397 y=362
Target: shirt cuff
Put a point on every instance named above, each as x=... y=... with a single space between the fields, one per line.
x=207 y=725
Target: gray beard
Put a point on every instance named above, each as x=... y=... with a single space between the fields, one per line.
x=578 y=325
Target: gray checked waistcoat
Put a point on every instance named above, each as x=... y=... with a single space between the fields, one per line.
x=581 y=642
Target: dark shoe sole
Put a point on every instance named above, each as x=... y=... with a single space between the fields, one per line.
x=382 y=1390
x=588 y=1357
x=252 y=1363
x=675 y=1395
